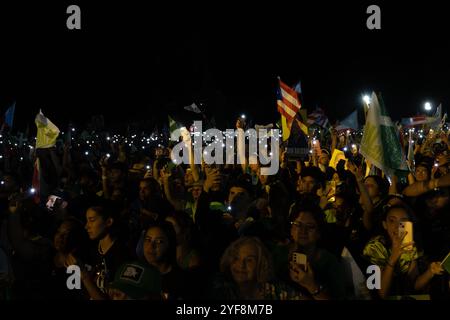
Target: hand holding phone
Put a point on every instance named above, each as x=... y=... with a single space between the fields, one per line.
x=300 y=259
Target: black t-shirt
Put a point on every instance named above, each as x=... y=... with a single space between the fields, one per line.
x=174 y=284
x=58 y=287
x=105 y=266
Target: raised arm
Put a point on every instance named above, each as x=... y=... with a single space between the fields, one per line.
x=178 y=204
x=367 y=204
x=419 y=188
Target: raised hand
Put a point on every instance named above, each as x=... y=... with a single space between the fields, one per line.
x=398 y=248
x=435 y=268
x=303 y=278
x=212 y=177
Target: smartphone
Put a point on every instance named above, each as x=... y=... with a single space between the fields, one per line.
x=300 y=259
x=51 y=201
x=406 y=226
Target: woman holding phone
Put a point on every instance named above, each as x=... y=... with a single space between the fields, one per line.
x=397 y=259
x=313 y=269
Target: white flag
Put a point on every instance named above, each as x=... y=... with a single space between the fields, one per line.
x=193 y=107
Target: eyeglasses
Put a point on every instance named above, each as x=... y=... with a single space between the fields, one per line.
x=307 y=227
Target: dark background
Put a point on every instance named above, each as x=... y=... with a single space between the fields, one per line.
x=133 y=61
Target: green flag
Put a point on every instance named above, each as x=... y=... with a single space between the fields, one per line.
x=172 y=125
x=380 y=143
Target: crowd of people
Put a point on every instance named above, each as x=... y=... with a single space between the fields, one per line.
x=141 y=227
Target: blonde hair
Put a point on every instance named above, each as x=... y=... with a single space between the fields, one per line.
x=264 y=265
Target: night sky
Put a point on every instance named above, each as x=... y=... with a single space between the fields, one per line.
x=133 y=62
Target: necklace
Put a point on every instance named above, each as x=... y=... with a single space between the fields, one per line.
x=100 y=249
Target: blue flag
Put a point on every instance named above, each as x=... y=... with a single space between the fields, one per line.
x=9 y=115
x=351 y=122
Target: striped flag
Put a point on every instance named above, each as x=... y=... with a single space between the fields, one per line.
x=288 y=105
x=47 y=132
x=417 y=120
x=318 y=117
x=287 y=101
x=380 y=143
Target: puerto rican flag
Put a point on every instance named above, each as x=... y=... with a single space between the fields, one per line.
x=287 y=101
x=318 y=117
x=417 y=120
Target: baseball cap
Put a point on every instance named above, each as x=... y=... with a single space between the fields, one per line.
x=137 y=280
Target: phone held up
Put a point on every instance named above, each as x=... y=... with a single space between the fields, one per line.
x=300 y=259
x=406 y=227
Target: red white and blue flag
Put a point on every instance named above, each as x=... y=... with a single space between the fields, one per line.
x=287 y=101
x=318 y=117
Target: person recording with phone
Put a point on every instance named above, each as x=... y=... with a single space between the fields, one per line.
x=317 y=273
x=398 y=259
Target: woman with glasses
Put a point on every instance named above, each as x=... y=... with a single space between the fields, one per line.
x=311 y=269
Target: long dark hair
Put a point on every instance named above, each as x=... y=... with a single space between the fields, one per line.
x=382 y=183
x=409 y=213
x=167 y=228
x=77 y=238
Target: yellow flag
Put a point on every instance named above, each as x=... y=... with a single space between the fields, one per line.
x=302 y=127
x=47 y=132
x=286 y=128
x=336 y=157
